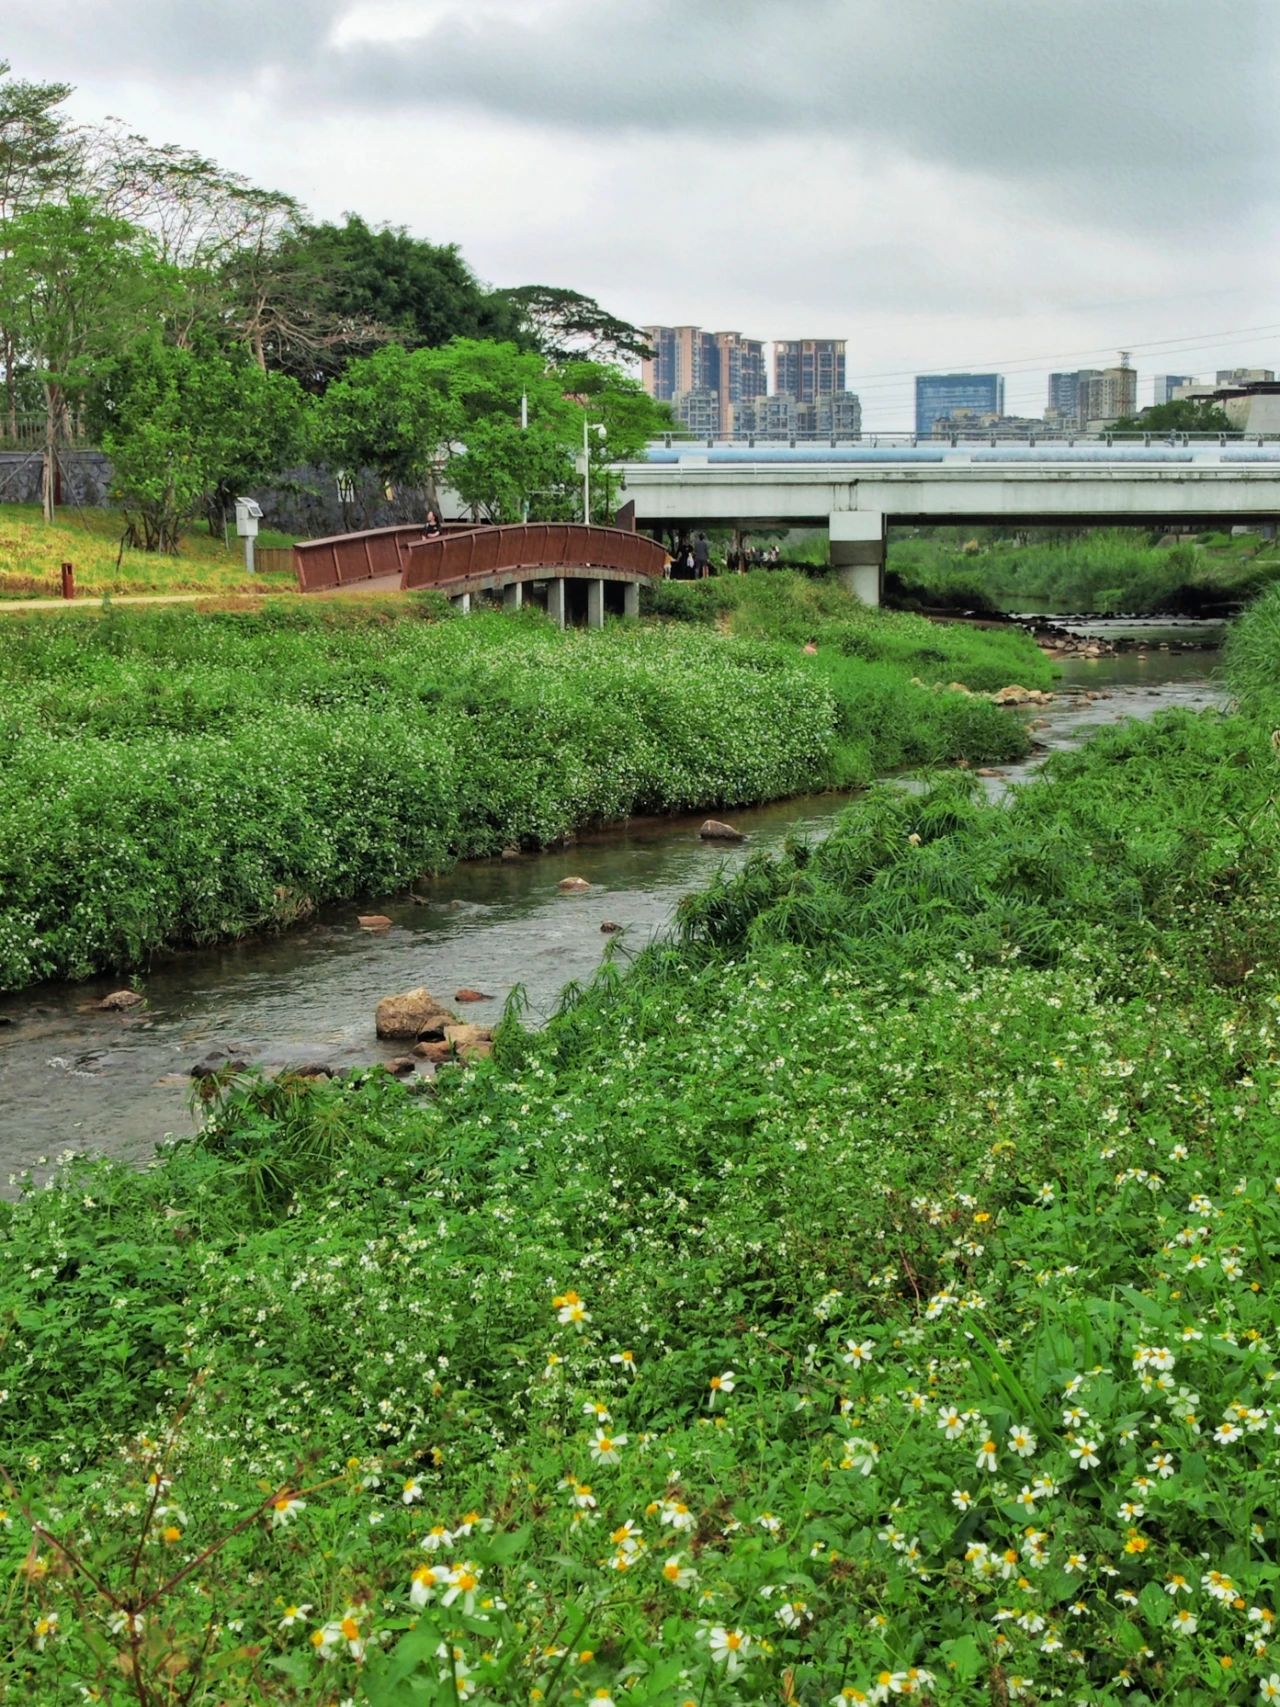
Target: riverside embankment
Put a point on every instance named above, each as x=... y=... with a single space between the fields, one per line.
x=72 y=1080
x=908 y=1219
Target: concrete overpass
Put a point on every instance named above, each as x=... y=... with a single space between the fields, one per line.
x=857 y=491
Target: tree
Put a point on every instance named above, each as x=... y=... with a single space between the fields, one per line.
x=566 y=325
x=629 y=416
x=35 y=160
x=75 y=284
x=181 y=424
x=388 y=413
x=516 y=432
x=1183 y=415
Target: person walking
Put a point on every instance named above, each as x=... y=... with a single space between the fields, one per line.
x=701 y=557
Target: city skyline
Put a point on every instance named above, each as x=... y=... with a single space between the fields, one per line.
x=1028 y=197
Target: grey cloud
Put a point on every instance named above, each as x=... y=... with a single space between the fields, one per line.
x=1153 y=113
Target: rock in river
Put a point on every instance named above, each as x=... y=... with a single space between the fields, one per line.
x=573 y=885
x=373 y=921
x=714 y=831
x=221 y=1061
x=412 y=1015
x=118 y=1000
x=465 y=995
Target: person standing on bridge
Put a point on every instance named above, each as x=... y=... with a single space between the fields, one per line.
x=701 y=557
x=431 y=527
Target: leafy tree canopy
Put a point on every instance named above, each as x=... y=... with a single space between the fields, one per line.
x=565 y=324
x=1184 y=415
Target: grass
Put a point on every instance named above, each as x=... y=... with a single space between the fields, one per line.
x=32 y=553
x=869 y=1292
x=178 y=777
x=1115 y=571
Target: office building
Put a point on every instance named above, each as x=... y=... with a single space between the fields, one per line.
x=1109 y=395
x=1166 y=385
x=1245 y=376
x=808 y=368
x=941 y=395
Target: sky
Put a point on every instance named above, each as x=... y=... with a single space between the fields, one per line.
x=1018 y=185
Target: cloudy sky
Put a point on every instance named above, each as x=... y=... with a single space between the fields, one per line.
x=1018 y=184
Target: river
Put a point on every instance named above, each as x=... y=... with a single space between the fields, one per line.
x=73 y=1080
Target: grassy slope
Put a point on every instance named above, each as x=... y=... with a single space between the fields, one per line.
x=953 y=1141
x=31 y=555
x=178 y=777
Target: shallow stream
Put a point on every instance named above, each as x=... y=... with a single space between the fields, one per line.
x=75 y=1080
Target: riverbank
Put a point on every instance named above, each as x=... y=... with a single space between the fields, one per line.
x=908 y=1222
x=176 y=777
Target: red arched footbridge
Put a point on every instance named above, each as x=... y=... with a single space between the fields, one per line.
x=464 y=560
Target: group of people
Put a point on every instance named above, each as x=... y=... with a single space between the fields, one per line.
x=691 y=557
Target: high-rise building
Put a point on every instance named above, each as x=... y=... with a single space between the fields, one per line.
x=690 y=363
x=1109 y=395
x=808 y=368
x=1064 y=397
x=699 y=410
x=1245 y=376
x=941 y=395
x=740 y=376
x=1167 y=383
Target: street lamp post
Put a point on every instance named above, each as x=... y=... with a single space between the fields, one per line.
x=601 y=433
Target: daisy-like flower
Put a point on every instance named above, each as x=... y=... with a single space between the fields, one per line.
x=285 y=1509
x=1085 y=1453
x=605 y=1448
x=676 y=1514
x=850 y=1696
x=1162 y=1465
x=986 y=1459
x=1026 y=1497
x=678 y=1575
x=44 y=1628
x=570 y=1310
x=464 y=1580
x=721 y=1384
x=627 y=1538
x=951 y=1422
x=962 y=1499
x=1022 y=1441
x=791 y=1614
x=626 y=1360
x=1219 y=1585
x=425 y=1581
x=593 y=1408
x=294 y=1615
x=436 y=1538
x=1226 y=1433
x=769 y=1522
x=858 y=1352
x=126 y=1623
x=411 y=1491
x=1269 y=1688
x=1075 y=1562
x=729 y=1648
x=1184 y=1622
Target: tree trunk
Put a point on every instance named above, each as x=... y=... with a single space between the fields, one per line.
x=48 y=483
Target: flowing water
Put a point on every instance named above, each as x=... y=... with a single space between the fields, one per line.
x=119 y=1082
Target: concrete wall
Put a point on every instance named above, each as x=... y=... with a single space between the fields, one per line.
x=86 y=477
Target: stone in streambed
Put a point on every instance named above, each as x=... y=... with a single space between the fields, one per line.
x=714 y=831
x=511 y=853
x=573 y=885
x=465 y=995
x=373 y=921
x=433 y=1052
x=609 y=926
x=219 y=1061
x=401 y=1066
x=118 y=1001
x=461 y=1037
x=411 y=1015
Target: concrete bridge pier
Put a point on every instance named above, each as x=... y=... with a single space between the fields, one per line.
x=513 y=595
x=631 y=599
x=857 y=552
x=595 y=604
x=462 y=604
x=556 y=602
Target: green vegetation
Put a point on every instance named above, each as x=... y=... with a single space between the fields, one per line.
x=32 y=551
x=1115 y=571
x=868 y=1293
x=177 y=777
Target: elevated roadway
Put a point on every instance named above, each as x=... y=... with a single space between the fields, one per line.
x=856 y=492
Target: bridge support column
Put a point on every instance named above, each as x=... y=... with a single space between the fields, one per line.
x=513 y=595
x=857 y=552
x=631 y=599
x=462 y=604
x=595 y=604
x=556 y=602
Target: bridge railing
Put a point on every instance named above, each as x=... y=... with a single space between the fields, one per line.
x=488 y=551
x=941 y=441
